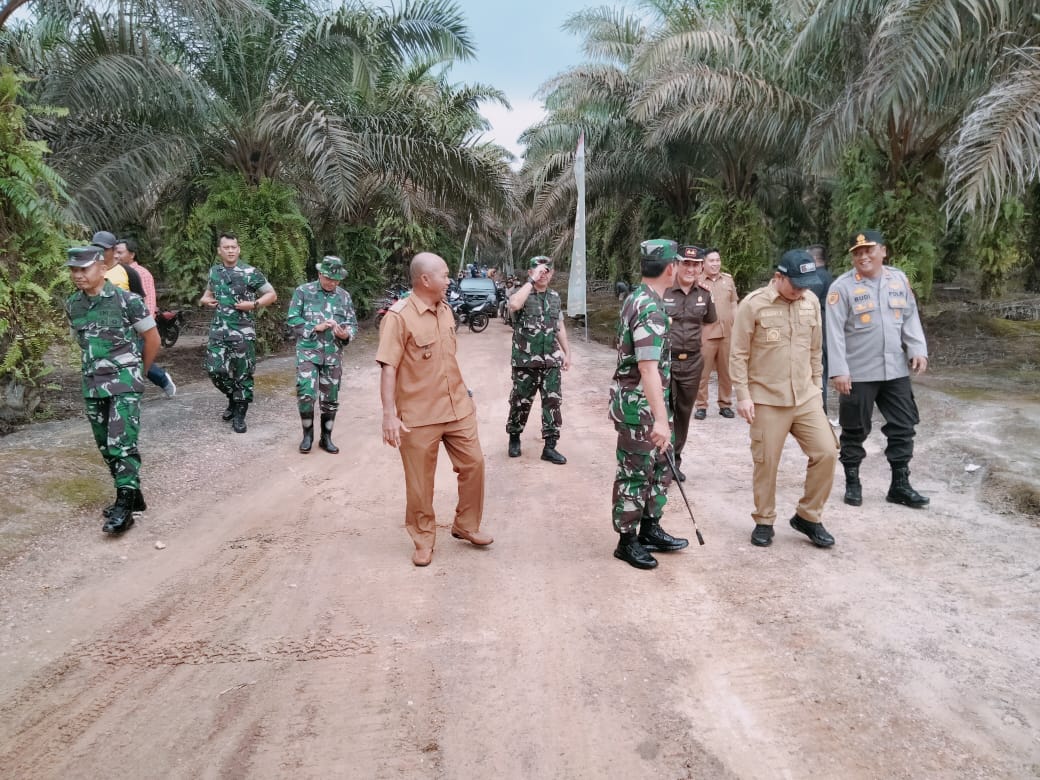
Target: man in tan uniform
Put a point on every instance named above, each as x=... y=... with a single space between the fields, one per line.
x=425 y=402
x=777 y=364
x=715 y=337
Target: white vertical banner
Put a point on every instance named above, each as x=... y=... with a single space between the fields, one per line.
x=576 y=284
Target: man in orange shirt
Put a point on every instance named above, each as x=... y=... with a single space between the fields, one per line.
x=425 y=402
x=715 y=339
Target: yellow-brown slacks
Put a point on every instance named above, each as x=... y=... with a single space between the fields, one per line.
x=716 y=358
x=419 y=449
x=808 y=424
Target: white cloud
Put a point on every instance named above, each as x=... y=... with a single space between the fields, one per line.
x=506 y=125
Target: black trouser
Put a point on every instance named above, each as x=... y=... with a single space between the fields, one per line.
x=895 y=401
x=686 y=379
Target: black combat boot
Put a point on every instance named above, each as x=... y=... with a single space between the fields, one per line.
x=656 y=539
x=632 y=552
x=308 y=432
x=901 y=492
x=853 y=489
x=325 y=442
x=550 y=454
x=139 y=504
x=230 y=411
x=514 y=445
x=122 y=516
x=238 y=420
x=678 y=470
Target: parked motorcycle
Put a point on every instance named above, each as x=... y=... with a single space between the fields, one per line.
x=169 y=324
x=390 y=297
x=476 y=316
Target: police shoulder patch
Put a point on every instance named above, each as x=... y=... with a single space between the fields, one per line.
x=832 y=298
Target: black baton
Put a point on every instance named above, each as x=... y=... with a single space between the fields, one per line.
x=675 y=474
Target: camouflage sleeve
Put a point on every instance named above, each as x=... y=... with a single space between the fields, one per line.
x=649 y=333
x=258 y=282
x=294 y=317
x=350 y=323
x=138 y=314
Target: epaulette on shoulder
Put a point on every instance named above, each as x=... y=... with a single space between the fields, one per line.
x=399 y=305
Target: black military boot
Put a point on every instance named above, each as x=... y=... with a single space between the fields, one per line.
x=678 y=470
x=308 y=432
x=238 y=420
x=229 y=412
x=853 y=489
x=325 y=442
x=514 y=445
x=139 y=504
x=901 y=492
x=122 y=516
x=656 y=539
x=550 y=454
x=632 y=552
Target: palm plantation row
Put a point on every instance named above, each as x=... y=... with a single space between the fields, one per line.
x=747 y=124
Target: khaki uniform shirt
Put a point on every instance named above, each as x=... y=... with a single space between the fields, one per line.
x=776 y=355
x=419 y=340
x=873 y=328
x=724 y=293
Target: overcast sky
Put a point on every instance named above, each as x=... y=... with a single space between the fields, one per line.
x=519 y=46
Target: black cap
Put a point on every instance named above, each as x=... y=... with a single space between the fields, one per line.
x=691 y=252
x=866 y=238
x=104 y=239
x=798 y=266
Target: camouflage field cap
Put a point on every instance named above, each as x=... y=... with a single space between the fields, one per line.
x=659 y=249
x=332 y=267
x=865 y=238
x=540 y=260
x=83 y=256
x=798 y=266
x=104 y=239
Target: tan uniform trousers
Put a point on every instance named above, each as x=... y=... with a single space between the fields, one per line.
x=716 y=358
x=419 y=449
x=808 y=424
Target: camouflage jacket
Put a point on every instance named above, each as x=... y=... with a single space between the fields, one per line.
x=534 y=331
x=311 y=306
x=642 y=335
x=229 y=286
x=107 y=327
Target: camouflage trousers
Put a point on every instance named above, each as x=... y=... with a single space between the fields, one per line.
x=527 y=382
x=641 y=481
x=116 y=423
x=230 y=365
x=317 y=383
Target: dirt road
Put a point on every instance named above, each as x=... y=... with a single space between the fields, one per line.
x=283 y=632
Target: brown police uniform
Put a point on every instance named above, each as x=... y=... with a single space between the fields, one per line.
x=715 y=340
x=776 y=360
x=433 y=402
x=688 y=310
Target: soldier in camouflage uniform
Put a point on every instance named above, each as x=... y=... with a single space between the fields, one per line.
x=119 y=341
x=540 y=351
x=639 y=409
x=322 y=317
x=237 y=291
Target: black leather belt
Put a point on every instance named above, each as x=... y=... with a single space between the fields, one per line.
x=684 y=355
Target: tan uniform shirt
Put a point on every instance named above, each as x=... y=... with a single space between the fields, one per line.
x=776 y=355
x=419 y=340
x=724 y=293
